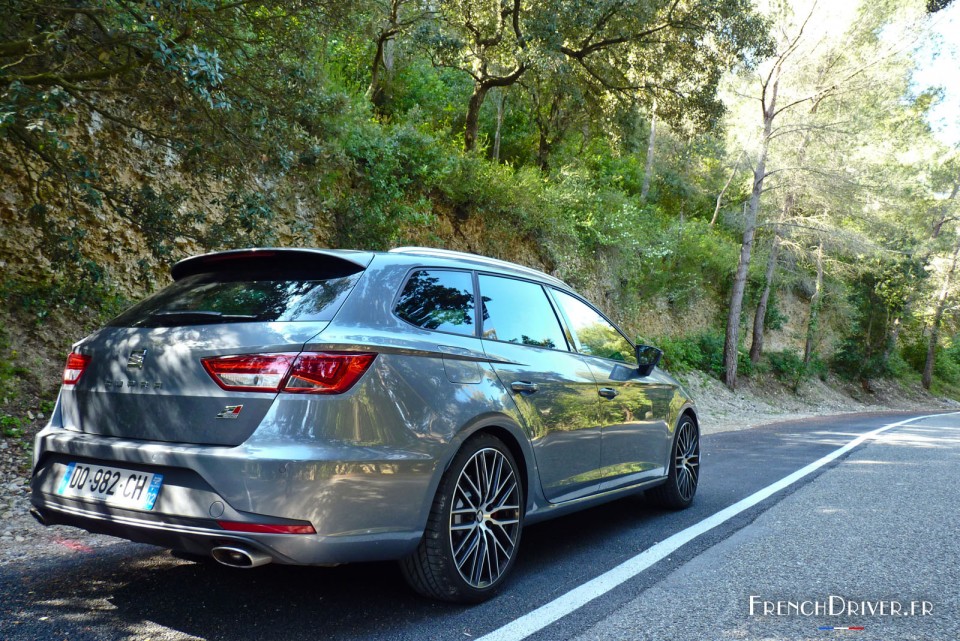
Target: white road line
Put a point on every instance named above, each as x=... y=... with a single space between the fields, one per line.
x=576 y=598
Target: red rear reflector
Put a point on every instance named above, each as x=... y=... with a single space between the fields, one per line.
x=76 y=363
x=308 y=373
x=266 y=528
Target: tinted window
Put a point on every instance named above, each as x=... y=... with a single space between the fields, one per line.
x=516 y=311
x=215 y=298
x=438 y=299
x=594 y=334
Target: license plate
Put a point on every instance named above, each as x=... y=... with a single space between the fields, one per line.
x=123 y=488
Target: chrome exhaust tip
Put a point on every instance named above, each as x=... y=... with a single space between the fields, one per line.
x=237 y=557
x=35 y=513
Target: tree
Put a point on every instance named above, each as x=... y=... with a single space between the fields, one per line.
x=229 y=79
x=941 y=304
x=398 y=17
x=617 y=46
x=818 y=60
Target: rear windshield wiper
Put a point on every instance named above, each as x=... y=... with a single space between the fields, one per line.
x=195 y=316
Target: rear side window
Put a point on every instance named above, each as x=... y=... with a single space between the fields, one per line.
x=438 y=299
x=218 y=298
x=595 y=335
x=516 y=311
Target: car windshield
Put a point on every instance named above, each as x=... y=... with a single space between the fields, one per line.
x=213 y=298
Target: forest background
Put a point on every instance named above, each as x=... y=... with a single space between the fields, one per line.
x=756 y=187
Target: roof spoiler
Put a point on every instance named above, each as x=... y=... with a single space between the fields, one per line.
x=320 y=262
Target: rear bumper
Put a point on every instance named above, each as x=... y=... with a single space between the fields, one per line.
x=365 y=504
x=200 y=537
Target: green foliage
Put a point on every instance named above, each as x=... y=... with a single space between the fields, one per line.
x=702 y=351
x=392 y=173
x=946 y=366
x=9 y=373
x=11 y=426
x=915 y=353
x=38 y=299
x=774 y=318
x=788 y=367
x=851 y=361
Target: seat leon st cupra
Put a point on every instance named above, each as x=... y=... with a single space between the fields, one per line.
x=318 y=407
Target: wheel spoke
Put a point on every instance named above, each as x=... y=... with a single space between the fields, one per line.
x=473 y=486
x=461 y=555
x=511 y=486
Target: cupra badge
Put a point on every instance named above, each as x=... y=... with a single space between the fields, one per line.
x=230 y=411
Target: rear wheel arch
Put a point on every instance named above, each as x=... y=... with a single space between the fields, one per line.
x=511 y=435
x=691 y=415
x=510 y=440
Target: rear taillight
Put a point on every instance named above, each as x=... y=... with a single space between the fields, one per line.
x=307 y=373
x=321 y=373
x=76 y=363
x=250 y=372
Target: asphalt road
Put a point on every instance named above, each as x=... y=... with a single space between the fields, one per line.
x=877 y=524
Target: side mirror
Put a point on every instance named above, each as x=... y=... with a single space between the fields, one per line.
x=647 y=358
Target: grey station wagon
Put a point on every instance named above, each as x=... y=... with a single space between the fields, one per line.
x=320 y=407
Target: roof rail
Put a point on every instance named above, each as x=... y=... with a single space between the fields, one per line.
x=477 y=258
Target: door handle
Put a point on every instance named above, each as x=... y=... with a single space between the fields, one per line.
x=524 y=387
x=608 y=392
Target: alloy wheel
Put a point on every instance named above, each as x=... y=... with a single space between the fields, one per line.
x=485 y=518
x=687 y=460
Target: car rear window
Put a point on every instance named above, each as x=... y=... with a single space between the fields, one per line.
x=438 y=299
x=205 y=299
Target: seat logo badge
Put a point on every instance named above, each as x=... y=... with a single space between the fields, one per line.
x=136 y=358
x=230 y=411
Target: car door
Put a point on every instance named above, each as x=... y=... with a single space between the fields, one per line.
x=553 y=388
x=635 y=434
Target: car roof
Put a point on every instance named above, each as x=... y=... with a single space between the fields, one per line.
x=450 y=258
x=348 y=261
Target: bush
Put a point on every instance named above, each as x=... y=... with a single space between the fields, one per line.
x=851 y=362
x=788 y=367
x=700 y=351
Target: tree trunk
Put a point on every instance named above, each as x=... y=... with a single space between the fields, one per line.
x=472 y=127
x=892 y=337
x=716 y=210
x=373 y=90
x=501 y=99
x=759 y=319
x=543 y=151
x=927 y=377
x=648 y=167
x=814 y=320
x=732 y=338
x=945 y=209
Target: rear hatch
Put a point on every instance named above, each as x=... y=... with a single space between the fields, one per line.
x=143 y=376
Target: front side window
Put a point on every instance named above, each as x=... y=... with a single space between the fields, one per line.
x=594 y=334
x=516 y=311
x=438 y=299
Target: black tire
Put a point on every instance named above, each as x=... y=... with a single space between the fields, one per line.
x=473 y=531
x=684 y=475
